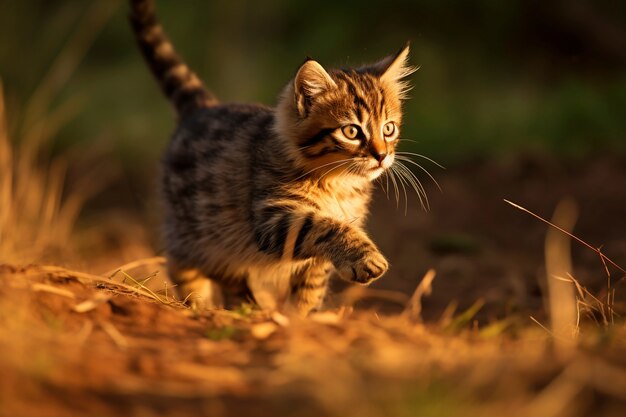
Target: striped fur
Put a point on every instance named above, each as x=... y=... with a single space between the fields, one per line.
x=179 y=84
x=272 y=201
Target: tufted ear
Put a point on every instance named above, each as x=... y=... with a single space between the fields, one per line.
x=394 y=67
x=311 y=81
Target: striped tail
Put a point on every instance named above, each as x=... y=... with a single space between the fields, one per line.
x=180 y=85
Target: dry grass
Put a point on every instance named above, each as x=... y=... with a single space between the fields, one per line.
x=76 y=341
x=37 y=213
x=336 y=362
x=37 y=210
x=80 y=342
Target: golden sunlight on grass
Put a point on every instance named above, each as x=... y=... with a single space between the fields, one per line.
x=72 y=339
x=112 y=344
x=33 y=217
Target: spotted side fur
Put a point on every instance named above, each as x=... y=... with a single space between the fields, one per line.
x=271 y=201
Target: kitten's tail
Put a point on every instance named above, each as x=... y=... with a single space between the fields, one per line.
x=180 y=85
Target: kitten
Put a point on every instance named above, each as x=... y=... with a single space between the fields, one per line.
x=273 y=199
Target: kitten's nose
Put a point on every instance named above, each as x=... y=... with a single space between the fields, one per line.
x=379 y=156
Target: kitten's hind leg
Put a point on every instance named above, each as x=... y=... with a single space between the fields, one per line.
x=269 y=287
x=309 y=285
x=195 y=288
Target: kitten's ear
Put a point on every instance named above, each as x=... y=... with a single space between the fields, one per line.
x=395 y=67
x=311 y=81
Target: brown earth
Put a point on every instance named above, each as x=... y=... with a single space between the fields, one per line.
x=483 y=248
x=74 y=344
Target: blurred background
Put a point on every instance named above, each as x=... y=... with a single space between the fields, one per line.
x=536 y=89
x=494 y=76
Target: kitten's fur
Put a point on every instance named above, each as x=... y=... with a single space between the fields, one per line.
x=274 y=199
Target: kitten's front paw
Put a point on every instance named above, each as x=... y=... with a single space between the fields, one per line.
x=371 y=266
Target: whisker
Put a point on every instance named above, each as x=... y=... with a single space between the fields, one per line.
x=387 y=181
x=405 y=159
x=421 y=156
x=402 y=183
x=382 y=184
x=417 y=186
x=386 y=188
x=356 y=168
x=415 y=176
x=334 y=168
x=352 y=168
x=395 y=187
x=320 y=167
x=420 y=188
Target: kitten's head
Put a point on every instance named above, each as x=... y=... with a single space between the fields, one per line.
x=345 y=121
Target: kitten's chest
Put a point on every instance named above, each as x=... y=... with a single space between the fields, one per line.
x=344 y=202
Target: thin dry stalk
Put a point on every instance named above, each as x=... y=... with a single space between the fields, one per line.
x=137 y=288
x=141 y=284
x=590 y=302
x=92 y=303
x=579 y=240
x=561 y=299
x=115 y=335
x=448 y=314
x=606 y=309
x=413 y=310
x=160 y=260
x=538 y=323
x=52 y=290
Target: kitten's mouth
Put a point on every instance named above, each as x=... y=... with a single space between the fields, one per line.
x=377 y=168
x=372 y=169
x=375 y=172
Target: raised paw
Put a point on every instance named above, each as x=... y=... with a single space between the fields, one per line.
x=369 y=267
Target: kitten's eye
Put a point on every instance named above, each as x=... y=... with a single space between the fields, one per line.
x=389 y=130
x=350 y=131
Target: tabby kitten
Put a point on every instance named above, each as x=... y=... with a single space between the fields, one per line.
x=273 y=199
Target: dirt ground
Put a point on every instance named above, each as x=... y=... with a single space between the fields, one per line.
x=483 y=248
x=77 y=344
